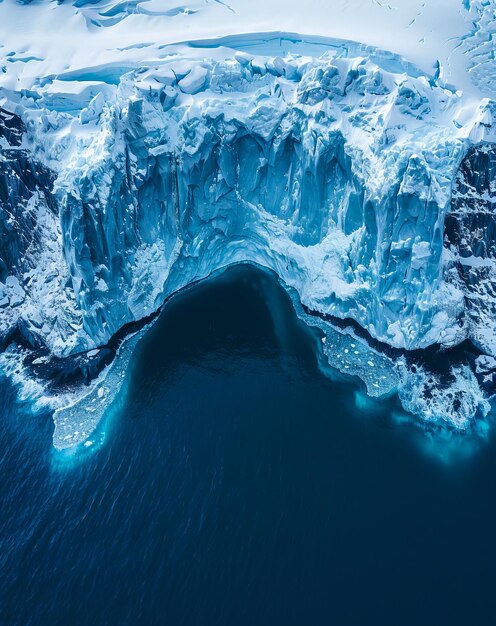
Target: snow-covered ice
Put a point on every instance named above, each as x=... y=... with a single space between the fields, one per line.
x=347 y=146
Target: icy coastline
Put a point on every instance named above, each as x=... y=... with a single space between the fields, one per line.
x=347 y=170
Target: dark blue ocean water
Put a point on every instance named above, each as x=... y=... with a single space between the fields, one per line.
x=238 y=486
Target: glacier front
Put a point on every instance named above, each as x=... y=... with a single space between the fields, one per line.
x=365 y=182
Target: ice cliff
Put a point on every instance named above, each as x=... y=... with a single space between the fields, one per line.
x=366 y=184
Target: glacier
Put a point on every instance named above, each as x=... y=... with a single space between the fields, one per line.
x=364 y=182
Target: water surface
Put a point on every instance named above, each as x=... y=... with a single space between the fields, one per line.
x=238 y=485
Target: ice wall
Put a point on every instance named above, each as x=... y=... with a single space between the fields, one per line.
x=335 y=172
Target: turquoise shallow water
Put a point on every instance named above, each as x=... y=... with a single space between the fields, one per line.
x=237 y=485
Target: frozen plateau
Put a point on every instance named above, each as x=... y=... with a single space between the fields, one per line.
x=345 y=145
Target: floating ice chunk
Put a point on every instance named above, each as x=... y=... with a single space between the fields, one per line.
x=485 y=363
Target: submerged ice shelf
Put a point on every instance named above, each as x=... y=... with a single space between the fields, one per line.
x=365 y=183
